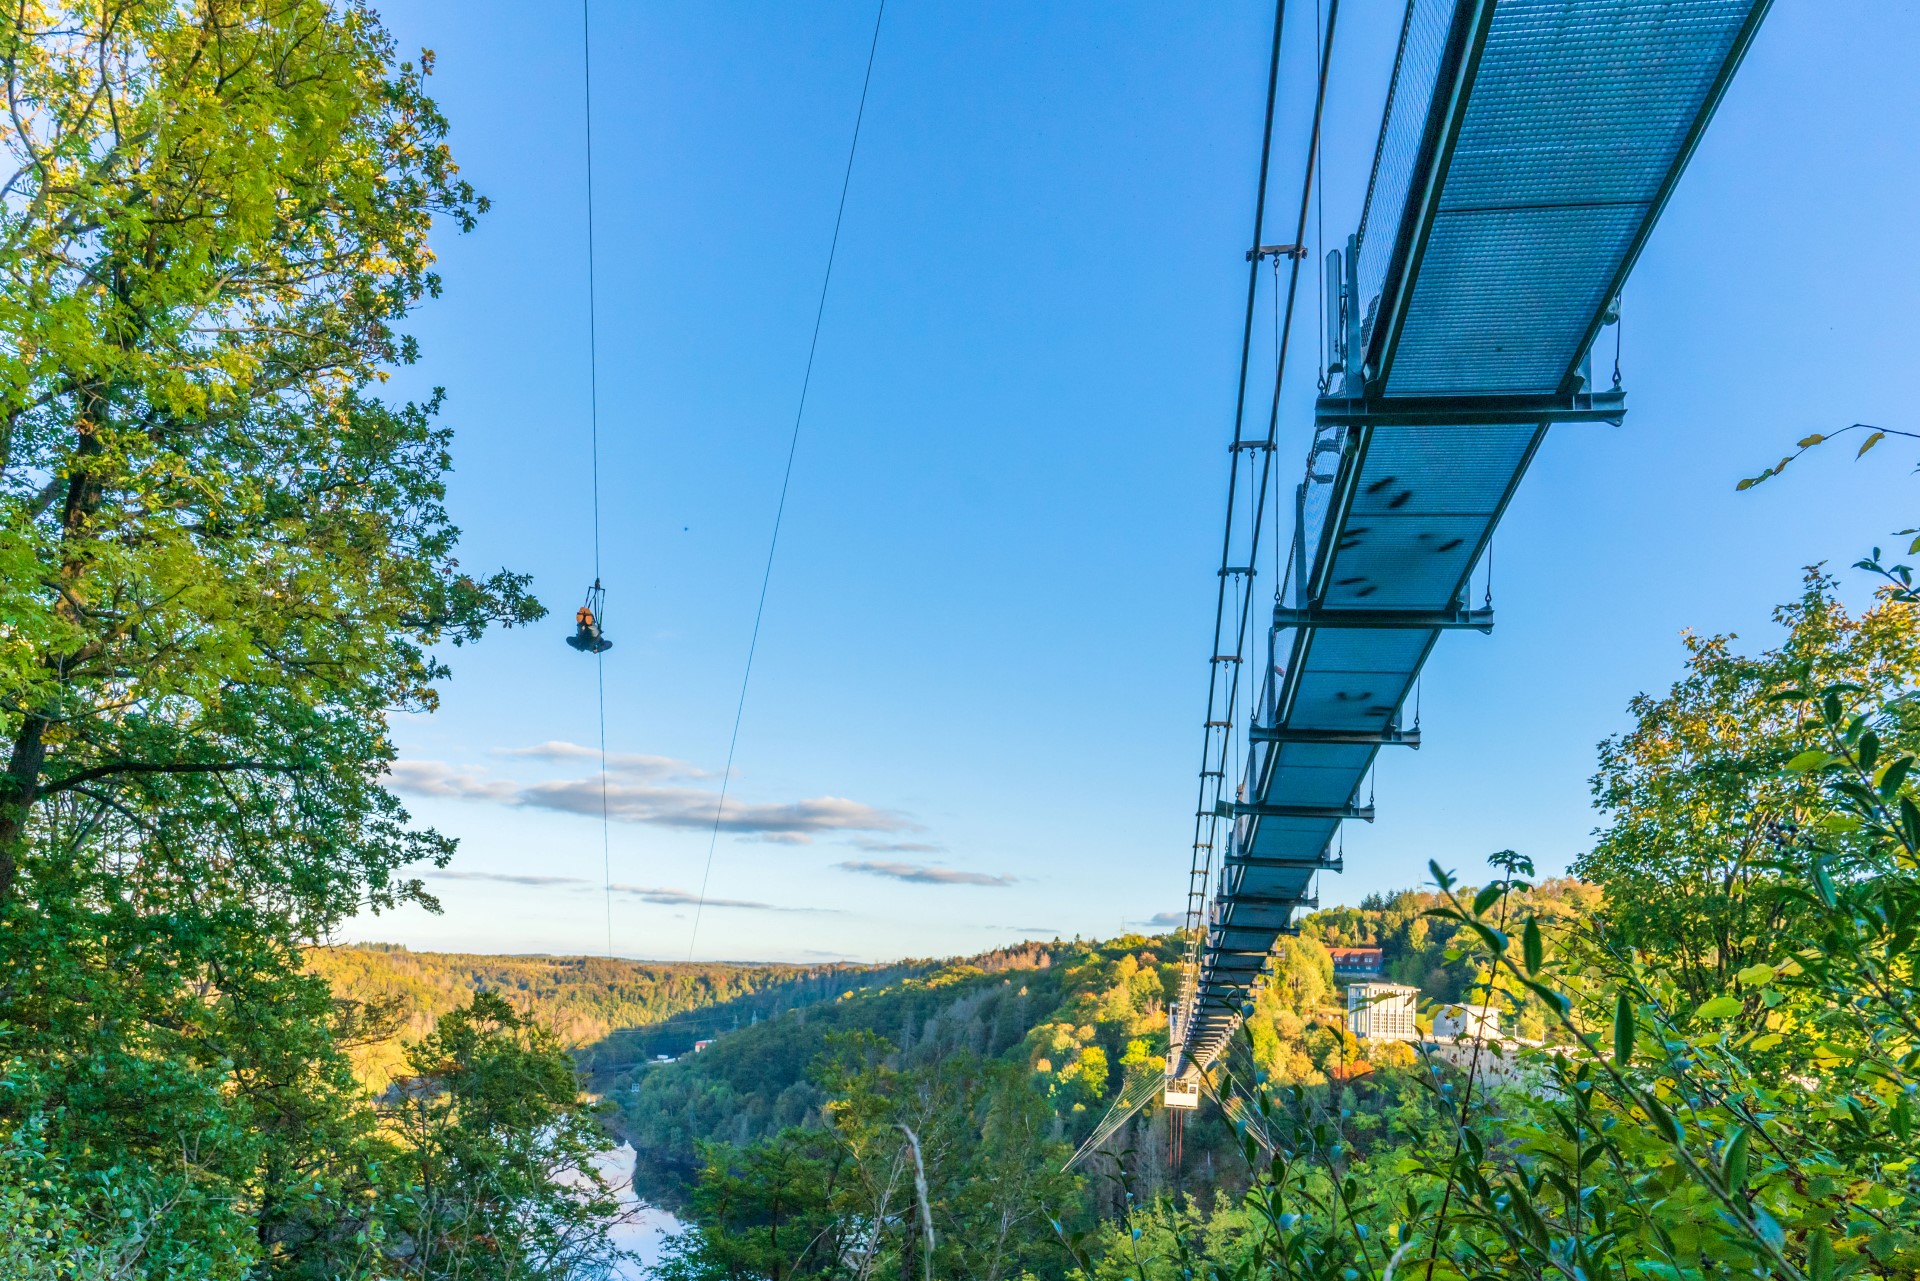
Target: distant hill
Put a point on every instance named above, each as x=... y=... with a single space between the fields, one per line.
x=1079 y=1015
x=626 y=1009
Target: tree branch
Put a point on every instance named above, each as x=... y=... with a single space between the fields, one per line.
x=175 y=767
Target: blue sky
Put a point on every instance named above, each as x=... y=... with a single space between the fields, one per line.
x=975 y=711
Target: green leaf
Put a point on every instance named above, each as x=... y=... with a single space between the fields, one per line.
x=1496 y=940
x=1720 y=1007
x=1819 y=1256
x=1894 y=775
x=1663 y=1122
x=1558 y=1001
x=1623 y=1029
x=1735 y=1162
x=1531 y=946
x=1870 y=442
x=1812 y=758
x=1755 y=976
x=1486 y=898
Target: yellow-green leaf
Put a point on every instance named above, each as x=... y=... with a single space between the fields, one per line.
x=1756 y=976
x=1871 y=441
x=1720 y=1007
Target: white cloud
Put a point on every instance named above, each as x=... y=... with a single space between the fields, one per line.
x=921 y=874
x=635 y=763
x=661 y=895
x=685 y=898
x=437 y=778
x=505 y=878
x=630 y=796
x=871 y=845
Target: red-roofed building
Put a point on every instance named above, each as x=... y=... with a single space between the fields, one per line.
x=1356 y=962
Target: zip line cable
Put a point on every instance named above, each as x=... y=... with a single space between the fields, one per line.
x=1201 y=874
x=593 y=422
x=786 y=480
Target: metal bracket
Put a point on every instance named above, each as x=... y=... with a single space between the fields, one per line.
x=1608 y=406
x=1265 y=900
x=1248 y=809
x=1458 y=617
x=1336 y=737
x=1319 y=863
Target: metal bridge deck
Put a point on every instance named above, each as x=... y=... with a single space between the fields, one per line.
x=1526 y=152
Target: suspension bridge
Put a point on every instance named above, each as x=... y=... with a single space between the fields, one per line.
x=1526 y=152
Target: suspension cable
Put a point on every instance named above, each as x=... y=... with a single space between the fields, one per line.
x=593 y=435
x=1207 y=822
x=786 y=480
x=1206 y=825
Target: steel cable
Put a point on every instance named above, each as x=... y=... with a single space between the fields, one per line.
x=593 y=433
x=786 y=480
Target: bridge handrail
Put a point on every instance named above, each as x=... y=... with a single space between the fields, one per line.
x=1423 y=46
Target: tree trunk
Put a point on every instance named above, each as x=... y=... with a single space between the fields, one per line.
x=30 y=746
x=22 y=781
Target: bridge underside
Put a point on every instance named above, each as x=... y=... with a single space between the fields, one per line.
x=1527 y=150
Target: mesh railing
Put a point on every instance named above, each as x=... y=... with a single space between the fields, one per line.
x=1423 y=44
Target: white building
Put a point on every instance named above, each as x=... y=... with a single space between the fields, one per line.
x=1467 y=1022
x=1381 y=1011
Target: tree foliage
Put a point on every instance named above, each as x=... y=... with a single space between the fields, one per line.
x=1697 y=794
x=947 y=1170
x=224 y=561
x=497 y=1179
x=1695 y=1116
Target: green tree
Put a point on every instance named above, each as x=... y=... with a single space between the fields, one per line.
x=496 y=1178
x=1696 y=797
x=961 y=1149
x=223 y=562
x=772 y=1209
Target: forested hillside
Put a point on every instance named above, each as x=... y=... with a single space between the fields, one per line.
x=1075 y=1018
x=626 y=1009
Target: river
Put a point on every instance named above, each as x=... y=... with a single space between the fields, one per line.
x=646 y=1228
